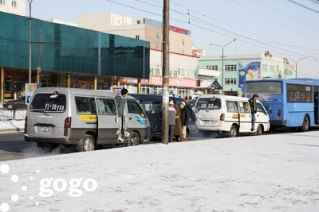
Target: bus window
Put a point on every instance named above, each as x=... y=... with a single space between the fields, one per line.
x=264 y=87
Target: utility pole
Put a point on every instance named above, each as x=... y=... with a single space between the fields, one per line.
x=165 y=97
x=30 y=39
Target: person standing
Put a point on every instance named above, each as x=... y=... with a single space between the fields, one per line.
x=171 y=121
x=178 y=130
x=184 y=119
x=253 y=107
x=120 y=101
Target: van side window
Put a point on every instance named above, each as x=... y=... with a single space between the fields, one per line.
x=134 y=107
x=260 y=108
x=85 y=105
x=150 y=107
x=232 y=106
x=244 y=107
x=106 y=106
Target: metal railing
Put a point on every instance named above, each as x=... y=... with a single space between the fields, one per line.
x=8 y=115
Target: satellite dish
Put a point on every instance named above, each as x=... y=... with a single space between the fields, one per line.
x=266 y=53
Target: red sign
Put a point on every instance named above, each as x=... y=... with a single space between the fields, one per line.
x=179 y=30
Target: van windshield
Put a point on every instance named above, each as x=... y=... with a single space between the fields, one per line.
x=48 y=102
x=208 y=103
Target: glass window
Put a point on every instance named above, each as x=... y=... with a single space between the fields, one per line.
x=106 y=106
x=134 y=107
x=48 y=103
x=260 y=108
x=85 y=105
x=244 y=107
x=232 y=106
x=299 y=93
x=151 y=106
x=14 y=4
x=3 y=2
x=138 y=22
x=208 y=103
x=264 y=87
x=157 y=35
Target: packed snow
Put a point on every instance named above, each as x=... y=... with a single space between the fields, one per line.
x=252 y=173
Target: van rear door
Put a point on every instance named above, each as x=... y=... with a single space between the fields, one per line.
x=107 y=120
x=46 y=115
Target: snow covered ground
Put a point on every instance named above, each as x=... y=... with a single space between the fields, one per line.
x=252 y=173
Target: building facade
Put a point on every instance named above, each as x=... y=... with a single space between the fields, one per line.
x=13 y=6
x=66 y=56
x=183 y=64
x=238 y=68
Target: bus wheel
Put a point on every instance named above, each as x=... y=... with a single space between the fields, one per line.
x=259 y=130
x=134 y=139
x=233 y=131
x=87 y=143
x=305 y=124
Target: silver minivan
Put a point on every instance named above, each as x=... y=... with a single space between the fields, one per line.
x=84 y=119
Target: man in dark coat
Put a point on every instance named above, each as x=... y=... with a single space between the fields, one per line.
x=184 y=119
x=253 y=107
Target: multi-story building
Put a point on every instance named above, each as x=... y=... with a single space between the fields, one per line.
x=66 y=56
x=237 y=68
x=13 y=6
x=183 y=64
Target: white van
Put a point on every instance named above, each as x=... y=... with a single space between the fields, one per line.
x=84 y=119
x=229 y=114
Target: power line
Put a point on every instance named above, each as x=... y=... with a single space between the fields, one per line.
x=304 y=6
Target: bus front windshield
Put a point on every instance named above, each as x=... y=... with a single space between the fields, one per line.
x=264 y=87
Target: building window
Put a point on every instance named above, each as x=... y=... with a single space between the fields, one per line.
x=230 y=67
x=3 y=2
x=138 y=22
x=14 y=4
x=157 y=46
x=137 y=37
x=272 y=69
x=182 y=51
x=8 y=84
x=157 y=35
x=265 y=68
x=230 y=81
x=213 y=67
x=183 y=42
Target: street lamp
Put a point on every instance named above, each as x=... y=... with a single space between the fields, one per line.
x=30 y=39
x=296 y=62
x=223 y=60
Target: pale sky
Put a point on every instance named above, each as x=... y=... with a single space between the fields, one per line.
x=285 y=28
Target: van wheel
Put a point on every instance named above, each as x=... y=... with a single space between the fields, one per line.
x=87 y=143
x=134 y=139
x=259 y=130
x=305 y=124
x=233 y=131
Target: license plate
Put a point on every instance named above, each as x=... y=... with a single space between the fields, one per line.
x=45 y=129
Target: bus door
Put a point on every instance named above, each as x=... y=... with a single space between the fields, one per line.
x=107 y=120
x=316 y=108
x=244 y=116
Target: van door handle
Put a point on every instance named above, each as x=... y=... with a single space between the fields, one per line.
x=130 y=118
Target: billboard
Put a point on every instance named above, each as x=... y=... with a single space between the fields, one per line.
x=30 y=88
x=247 y=71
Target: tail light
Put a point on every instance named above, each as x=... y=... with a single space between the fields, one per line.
x=222 y=117
x=278 y=113
x=67 y=123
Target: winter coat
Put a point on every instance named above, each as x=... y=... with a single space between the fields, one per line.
x=120 y=101
x=184 y=116
x=178 y=124
x=253 y=105
x=171 y=115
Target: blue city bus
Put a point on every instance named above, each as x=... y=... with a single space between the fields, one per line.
x=289 y=102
